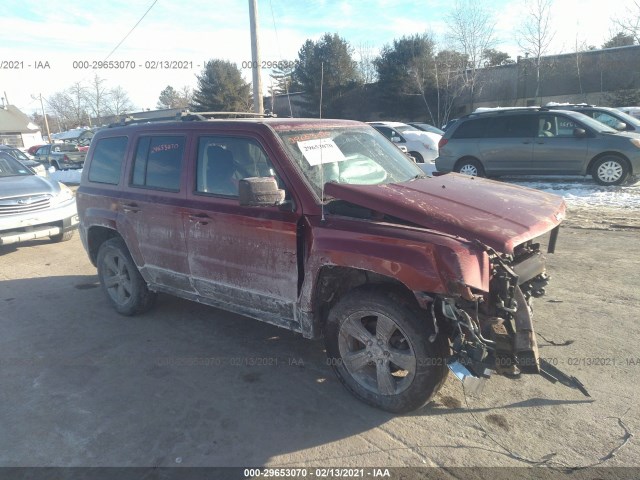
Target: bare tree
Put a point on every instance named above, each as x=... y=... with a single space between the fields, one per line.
x=78 y=101
x=118 y=101
x=98 y=96
x=366 y=66
x=472 y=32
x=535 y=34
x=629 y=23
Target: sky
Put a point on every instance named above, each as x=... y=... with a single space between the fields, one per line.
x=49 y=42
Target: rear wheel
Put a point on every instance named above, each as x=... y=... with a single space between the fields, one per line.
x=610 y=170
x=470 y=166
x=378 y=345
x=418 y=158
x=120 y=279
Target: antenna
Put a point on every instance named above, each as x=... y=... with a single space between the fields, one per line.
x=321 y=164
x=321 y=82
x=321 y=183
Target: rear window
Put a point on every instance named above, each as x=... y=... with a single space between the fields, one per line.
x=158 y=162
x=107 y=160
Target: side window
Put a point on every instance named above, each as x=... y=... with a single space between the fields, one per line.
x=224 y=161
x=158 y=162
x=564 y=125
x=107 y=160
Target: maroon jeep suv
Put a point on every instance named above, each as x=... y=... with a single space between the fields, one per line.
x=325 y=228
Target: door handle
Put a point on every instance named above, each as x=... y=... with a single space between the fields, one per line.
x=526 y=142
x=199 y=218
x=130 y=207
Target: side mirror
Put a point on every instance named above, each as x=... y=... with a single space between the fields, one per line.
x=259 y=192
x=620 y=126
x=579 y=132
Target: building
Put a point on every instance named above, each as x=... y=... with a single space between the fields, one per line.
x=16 y=129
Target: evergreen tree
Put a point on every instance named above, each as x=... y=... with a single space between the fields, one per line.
x=221 y=88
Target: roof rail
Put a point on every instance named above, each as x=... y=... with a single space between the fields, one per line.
x=188 y=116
x=501 y=110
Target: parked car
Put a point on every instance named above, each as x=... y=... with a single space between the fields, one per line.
x=32 y=149
x=19 y=155
x=61 y=156
x=633 y=111
x=611 y=117
x=423 y=146
x=325 y=228
x=538 y=141
x=425 y=127
x=32 y=206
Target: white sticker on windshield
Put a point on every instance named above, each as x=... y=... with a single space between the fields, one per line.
x=320 y=151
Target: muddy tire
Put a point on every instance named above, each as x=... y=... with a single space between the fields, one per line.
x=378 y=346
x=120 y=279
x=610 y=170
x=470 y=166
x=62 y=237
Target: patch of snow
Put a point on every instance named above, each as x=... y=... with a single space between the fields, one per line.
x=584 y=192
x=66 y=176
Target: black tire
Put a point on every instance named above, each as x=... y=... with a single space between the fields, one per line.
x=470 y=166
x=610 y=170
x=417 y=157
x=120 y=279
x=56 y=166
x=62 y=237
x=389 y=329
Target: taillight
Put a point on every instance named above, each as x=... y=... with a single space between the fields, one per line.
x=65 y=158
x=443 y=141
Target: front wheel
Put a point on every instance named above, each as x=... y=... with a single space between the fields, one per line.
x=378 y=345
x=610 y=170
x=120 y=279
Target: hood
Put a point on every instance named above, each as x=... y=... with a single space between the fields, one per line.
x=21 y=186
x=500 y=215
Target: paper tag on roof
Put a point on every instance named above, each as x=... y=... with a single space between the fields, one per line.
x=320 y=151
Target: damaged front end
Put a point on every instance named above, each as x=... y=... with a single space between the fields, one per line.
x=492 y=332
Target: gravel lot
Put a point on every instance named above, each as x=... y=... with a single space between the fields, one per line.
x=190 y=385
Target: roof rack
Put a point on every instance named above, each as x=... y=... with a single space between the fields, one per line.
x=188 y=116
x=501 y=110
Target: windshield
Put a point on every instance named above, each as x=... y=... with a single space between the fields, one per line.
x=595 y=124
x=407 y=128
x=351 y=155
x=10 y=167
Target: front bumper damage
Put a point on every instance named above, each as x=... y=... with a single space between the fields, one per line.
x=493 y=332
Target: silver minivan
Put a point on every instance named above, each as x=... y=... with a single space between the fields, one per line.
x=538 y=141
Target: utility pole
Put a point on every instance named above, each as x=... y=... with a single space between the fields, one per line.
x=258 y=107
x=46 y=122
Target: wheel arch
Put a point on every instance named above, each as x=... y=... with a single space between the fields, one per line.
x=334 y=282
x=598 y=157
x=466 y=158
x=96 y=236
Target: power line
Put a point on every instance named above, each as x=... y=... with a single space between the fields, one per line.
x=132 y=29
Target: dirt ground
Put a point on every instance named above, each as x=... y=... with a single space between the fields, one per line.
x=190 y=385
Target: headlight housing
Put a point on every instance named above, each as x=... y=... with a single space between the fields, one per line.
x=64 y=195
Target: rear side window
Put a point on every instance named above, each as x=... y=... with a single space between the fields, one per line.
x=158 y=162
x=471 y=128
x=107 y=160
x=512 y=126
